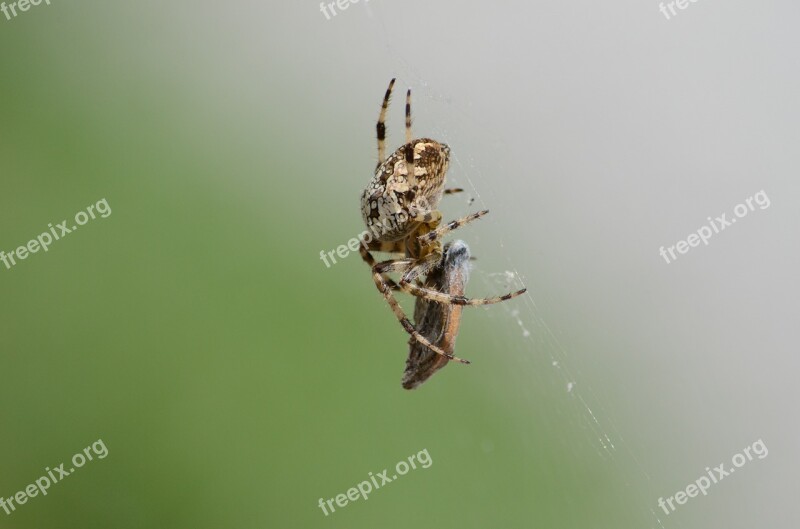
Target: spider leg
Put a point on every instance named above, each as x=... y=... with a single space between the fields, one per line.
x=372 y=262
x=387 y=246
x=411 y=167
x=453 y=191
x=427 y=216
x=385 y=289
x=438 y=233
x=394 y=286
x=408 y=116
x=381 y=126
x=424 y=266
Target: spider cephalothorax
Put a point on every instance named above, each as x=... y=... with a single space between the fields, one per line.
x=399 y=206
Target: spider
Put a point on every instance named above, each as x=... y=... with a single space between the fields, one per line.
x=438 y=322
x=399 y=207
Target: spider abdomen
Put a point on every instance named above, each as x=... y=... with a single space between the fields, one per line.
x=392 y=201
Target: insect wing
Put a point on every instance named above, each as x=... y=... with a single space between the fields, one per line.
x=438 y=322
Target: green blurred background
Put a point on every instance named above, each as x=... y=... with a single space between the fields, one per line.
x=233 y=377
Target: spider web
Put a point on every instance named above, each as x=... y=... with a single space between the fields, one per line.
x=523 y=328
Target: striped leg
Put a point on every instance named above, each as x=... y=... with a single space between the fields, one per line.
x=425 y=216
x=411 y=167
x=414 y=269
x=390 y=247
x=381 y=126
x=385 y=289
x=398 y=247
x=453 y=191
x=408 y=116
